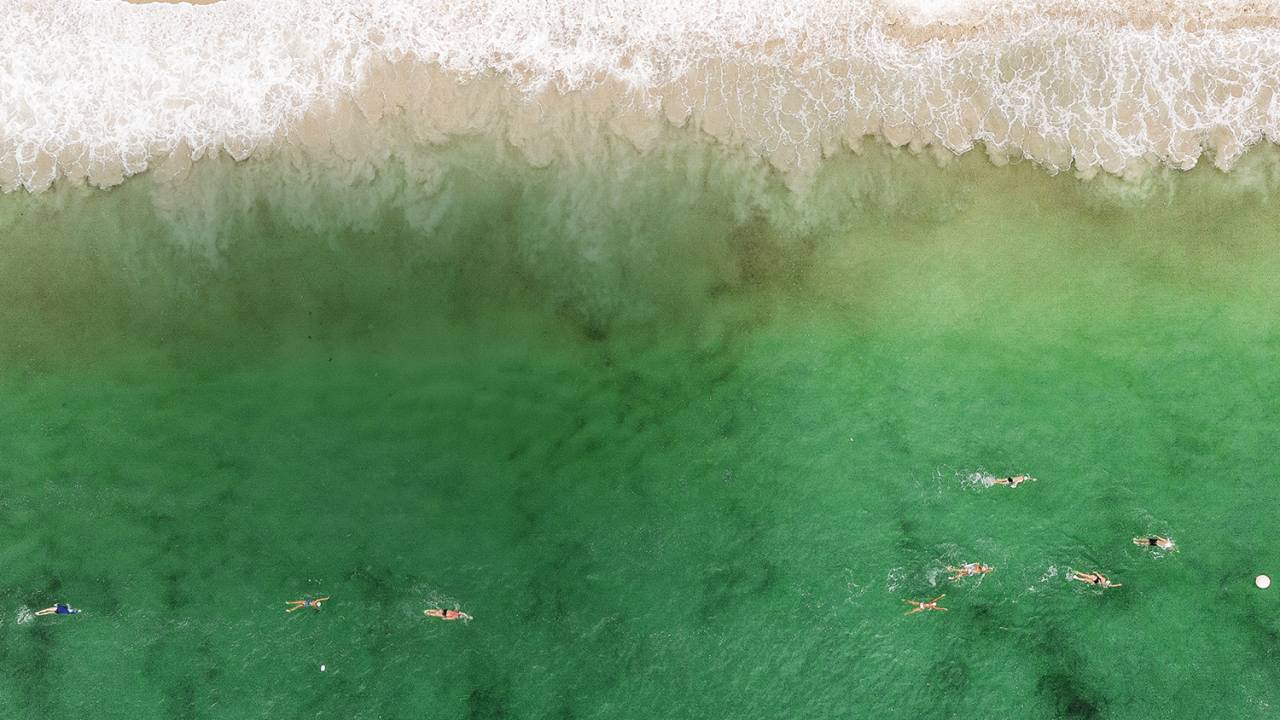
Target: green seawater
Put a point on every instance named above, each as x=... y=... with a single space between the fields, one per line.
x=680 y=439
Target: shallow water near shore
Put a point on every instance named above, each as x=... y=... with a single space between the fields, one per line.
x=679 y=439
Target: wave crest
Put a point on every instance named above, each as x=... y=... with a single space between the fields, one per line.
x=99 y=91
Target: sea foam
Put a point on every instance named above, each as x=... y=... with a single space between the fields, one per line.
x=96 y=91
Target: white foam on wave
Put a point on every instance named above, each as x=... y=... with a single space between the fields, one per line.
x=96 y=90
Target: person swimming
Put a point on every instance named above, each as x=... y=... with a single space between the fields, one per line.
x=968 y=570
x=1012 y=481
x=305 y=603
x=1155 y=541
x=921 y=605
x=58 y=609
x=1094 y=578
x=447 y=614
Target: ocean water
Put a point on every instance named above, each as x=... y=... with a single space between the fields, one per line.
x=680 y=405
x=693 y=478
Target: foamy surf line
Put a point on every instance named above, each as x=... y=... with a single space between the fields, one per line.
x=96 y=91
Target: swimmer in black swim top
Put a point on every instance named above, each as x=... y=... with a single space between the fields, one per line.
x=447 y=614
x=58 y=609
x=1012 y=481
x=306 y=603
x=1155 y=541
x=1094 y=578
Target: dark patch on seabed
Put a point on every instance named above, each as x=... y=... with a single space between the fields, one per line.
x=376 y=583
x=180 y=701
x=563 y=566
x=1260 y=628
x=1070 y=699
x=490 y=697
x=984 y=619
x=739 y=571
x=950 y=679
x=488 y=702
x=1069 y=693
x=28 y=662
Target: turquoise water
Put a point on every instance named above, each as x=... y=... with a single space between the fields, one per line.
x=680 y=440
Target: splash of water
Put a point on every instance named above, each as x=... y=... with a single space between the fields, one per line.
x=96 y=91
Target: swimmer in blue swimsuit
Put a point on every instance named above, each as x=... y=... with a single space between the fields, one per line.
x=59 y=609
x=306 y=603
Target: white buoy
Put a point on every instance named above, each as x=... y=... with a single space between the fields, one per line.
x=1262 y=581
x=321 y=668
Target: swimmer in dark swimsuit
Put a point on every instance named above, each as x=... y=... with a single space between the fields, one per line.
x=1155 y=541
x=921 y=605
x=306 y=603
x=447 y=614
x=58 y=609
x=1095 y=578
x=1013 y=481
x=968 y=570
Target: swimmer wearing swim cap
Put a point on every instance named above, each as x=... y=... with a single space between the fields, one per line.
x=968 y=570
x=313 y=603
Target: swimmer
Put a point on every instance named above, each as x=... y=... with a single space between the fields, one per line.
x=1013 y=481
x=1094 y=578
x=447 y=614
x=921 y=606
x=1155 y=541
x=58 y=609
x=968 y=570
x=305 y=603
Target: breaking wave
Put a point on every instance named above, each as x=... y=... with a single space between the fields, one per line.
x=98 y=91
